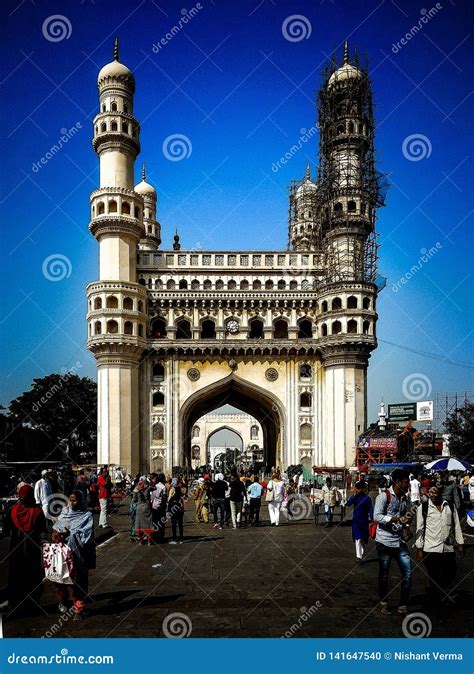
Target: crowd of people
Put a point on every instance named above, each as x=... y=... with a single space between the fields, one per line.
x=428 y=507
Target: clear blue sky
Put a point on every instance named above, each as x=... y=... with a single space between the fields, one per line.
x=241 y=92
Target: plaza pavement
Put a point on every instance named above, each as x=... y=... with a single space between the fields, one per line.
x=299 y=579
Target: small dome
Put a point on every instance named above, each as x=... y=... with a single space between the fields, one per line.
x=345 y=72
x=115 y=68
x=307 y=187
x=144 y=188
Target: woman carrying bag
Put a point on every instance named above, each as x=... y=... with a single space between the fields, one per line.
x=274 y=498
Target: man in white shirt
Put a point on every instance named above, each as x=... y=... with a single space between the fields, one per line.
x=331 y=499
x=414 y=491
x=43 y=492
x=437 y=532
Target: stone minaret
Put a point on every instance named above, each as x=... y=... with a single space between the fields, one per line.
x=151 y=239
x=348 y=188
x=116 y=316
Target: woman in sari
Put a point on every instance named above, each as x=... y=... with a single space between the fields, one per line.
x=75 y=527
x=27 y=526
x=143 y=518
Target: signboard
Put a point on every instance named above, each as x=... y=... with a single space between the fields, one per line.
x=402 y=412
x=378 y=443
x=424 y=410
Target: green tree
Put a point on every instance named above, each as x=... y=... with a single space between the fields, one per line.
x=460 y=426
x=64 y=407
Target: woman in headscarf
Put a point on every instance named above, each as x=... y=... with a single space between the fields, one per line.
x=362 y=515
x=75 y=527
x=27 y=526
x=143 y=517
x=176 y=511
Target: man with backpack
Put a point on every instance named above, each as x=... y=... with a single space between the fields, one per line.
x=391 y=534
x=437 y=532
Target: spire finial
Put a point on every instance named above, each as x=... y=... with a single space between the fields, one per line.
x=346 y=52
x=307 y=173
x=116 y=49
x=143 y=172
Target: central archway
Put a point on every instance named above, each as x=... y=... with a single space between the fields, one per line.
x=245 y=396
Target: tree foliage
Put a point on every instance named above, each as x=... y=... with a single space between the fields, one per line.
x=460 y=426
x=64 y=408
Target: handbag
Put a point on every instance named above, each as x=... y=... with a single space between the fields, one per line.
x=58 y=563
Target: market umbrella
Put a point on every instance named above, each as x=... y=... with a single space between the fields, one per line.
x=449 y=463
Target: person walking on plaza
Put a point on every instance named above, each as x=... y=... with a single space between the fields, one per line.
x=159 y=497
x=143 y=516
x=105 y=493
x=450 y=491
x=43 y=492
x=219 y=489
x=362 y=515
x=176 y=511
x=391 y=517
x=255 y=491
x=415 y=496
x=26 y=524
x=75 y=526
x=237 y=496
x=275 y=494
x=198 y=496
x=437 y=532
x=331 y=498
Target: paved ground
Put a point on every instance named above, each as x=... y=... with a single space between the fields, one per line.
x=240 y=583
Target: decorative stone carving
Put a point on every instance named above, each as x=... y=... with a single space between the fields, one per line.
x=193 y=374
x=271 y=374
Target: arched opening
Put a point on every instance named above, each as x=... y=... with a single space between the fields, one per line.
x=280 y=329
x=305 y=434
x=183 y=284
x=281 y=285
x=257 y=285
x=338 y=207
x=256 y=328
x=232 y=285
x=244 y=285
x=112 y=327
x=100 y=208
x=352 y=302
x=324 y=306
x=103 y=127
x=352 y=327
x=207 y=284
x=140 y=305
x=305 y=371
x=351 y=206
x=125 y=128
x=158 y=434
x=366 y=303
x=158 y=399
x=246 y=397
x=125 y=208
x=158 y=372
x=268 y=285
x=194 y=284
x=128 y=328
x=305 y=329
x=97 y=328
x=219 y=284
x=293 y=285
x=253 y=432
x=113 y=107
x=306 y=399
x=366 y=327
x=128 y=303
x=208 y=329
x=114 y=126
x=196 y=431
x=336 y=327
x=111 y=302
x=170 y=285
x=183 y=329
x=324 y=330
x=98 y=303
x=112 y=206
x=158 y=328
x=336 y=304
